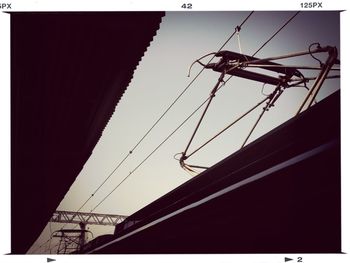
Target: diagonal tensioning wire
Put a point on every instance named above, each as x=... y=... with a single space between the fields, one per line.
x=150 y=154
x=160 y=118
x=157 y=121
x=227 y=127
x=264 y=110
x=230 y=125
x=244 y=21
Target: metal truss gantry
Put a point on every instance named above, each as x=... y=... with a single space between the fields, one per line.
x=86 y=218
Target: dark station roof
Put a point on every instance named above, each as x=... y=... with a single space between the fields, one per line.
x=68 y=72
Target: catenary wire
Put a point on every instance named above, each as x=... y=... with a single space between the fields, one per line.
x=161 y=116
x=150 y=154
x=144 y=160
x=158 y=120
x=177 y=98
x=159 y=145
x=261 y=47
x=285 y=24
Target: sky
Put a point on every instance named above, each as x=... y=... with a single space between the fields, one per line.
x=161 y=76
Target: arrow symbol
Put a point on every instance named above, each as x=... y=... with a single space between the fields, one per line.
x=287 y=259
x=50 y=259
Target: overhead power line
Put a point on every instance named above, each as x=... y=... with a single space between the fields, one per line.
x=284 y=25
x=165 y=112
x=267 y=41
x=149 y=155
x=161 y=117
x=184 y=154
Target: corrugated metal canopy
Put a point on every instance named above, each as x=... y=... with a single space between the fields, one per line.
x=68 y=72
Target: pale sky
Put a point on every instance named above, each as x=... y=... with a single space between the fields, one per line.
x=162 y=75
